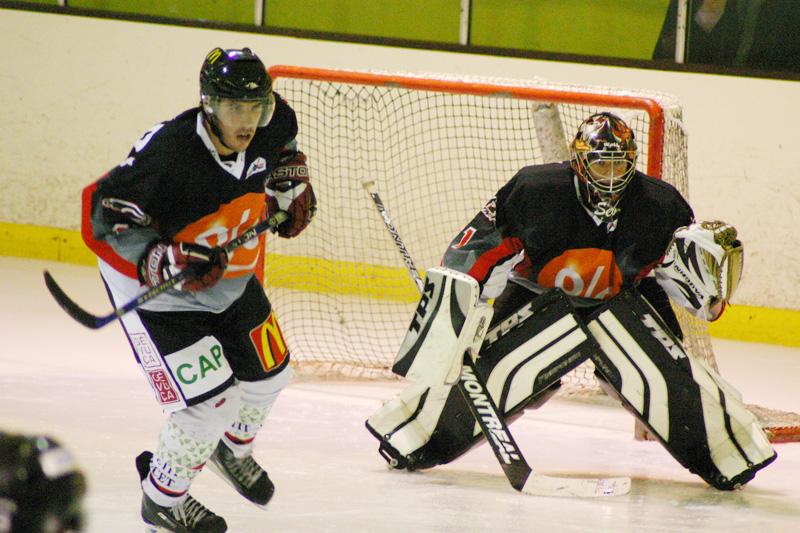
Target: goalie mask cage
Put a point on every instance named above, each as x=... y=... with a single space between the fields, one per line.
x=436 y=148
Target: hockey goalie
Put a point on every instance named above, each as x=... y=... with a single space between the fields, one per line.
x=573 y=261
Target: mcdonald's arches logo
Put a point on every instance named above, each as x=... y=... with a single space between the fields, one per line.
x=269 y=343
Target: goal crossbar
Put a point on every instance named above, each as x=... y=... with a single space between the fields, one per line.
x=653 y=109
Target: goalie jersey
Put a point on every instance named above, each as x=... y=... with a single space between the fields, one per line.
x=537 y=225
x=174 y=185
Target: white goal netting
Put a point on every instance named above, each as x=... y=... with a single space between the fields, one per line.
x=437 y=148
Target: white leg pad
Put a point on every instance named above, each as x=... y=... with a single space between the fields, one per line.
x=407 y=421
x=449 y=319
x=698 y=416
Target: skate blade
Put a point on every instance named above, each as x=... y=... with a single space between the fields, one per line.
x=218 y=470
x=149 y=528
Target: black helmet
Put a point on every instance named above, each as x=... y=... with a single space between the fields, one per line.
x=41 y=489
x=603 y=156
x=238 y=75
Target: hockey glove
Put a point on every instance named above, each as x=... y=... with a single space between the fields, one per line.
x=164 y=259
x=289 y=189
x=702 y=267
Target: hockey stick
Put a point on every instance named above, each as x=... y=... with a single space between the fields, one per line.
x=516 y=468
x=493 y=426
x=387 y=221
x=95 y=322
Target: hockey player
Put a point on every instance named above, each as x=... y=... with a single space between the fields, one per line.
x=41 y=487
x=617 y=242
x=210 y=348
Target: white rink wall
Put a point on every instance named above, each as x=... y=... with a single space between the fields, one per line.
x=79 y=91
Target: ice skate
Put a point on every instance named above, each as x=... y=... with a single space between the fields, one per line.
x=245 y=475
x=190 y=516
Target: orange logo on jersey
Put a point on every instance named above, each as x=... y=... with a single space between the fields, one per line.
x=269 y=343
x=586 y=272
x=227 y=223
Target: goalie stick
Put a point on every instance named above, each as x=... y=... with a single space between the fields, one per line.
x=95 y=322
x=387 y=221
x=473 y=388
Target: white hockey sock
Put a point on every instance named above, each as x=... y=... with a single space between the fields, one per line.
x=239 y=437
x=257 y=398
x=178 y=459
x=186 y=442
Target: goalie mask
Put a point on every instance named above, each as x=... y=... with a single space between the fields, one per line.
x=235 y=75
x=603 y=157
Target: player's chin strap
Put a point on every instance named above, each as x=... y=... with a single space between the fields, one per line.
x=702 y=267
x=215 y=129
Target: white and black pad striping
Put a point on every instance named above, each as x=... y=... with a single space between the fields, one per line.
x=533 y=348
x=522 y=356
x=693 y=412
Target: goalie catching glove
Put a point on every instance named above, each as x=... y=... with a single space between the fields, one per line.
x=162 y=260
x=702 y=267
x=289 y=189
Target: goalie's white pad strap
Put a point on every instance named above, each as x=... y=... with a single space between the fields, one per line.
x=449 y=319
x=702 y=266
x=698 y=416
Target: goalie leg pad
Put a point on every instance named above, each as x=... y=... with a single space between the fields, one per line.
x=522 y=360
x=695 y=414
x=449 y=319
x=404 y=424
x=529 y=350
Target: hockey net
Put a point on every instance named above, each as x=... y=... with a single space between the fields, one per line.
x=436 y=148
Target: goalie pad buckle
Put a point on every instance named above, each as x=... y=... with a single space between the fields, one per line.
x=698 y=417
x=448 y=321
x=702 y=266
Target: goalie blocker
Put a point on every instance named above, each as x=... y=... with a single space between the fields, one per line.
x=698 y=417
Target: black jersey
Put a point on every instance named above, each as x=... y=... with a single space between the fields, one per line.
x=174 y=185
x=537 y=225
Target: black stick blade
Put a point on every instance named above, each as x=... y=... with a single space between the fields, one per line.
x=74 y=310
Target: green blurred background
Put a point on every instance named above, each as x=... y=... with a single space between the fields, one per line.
x=611 y=28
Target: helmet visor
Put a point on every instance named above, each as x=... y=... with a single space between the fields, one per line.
x=240 y=111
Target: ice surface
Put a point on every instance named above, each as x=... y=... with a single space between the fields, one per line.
x=84 y=388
